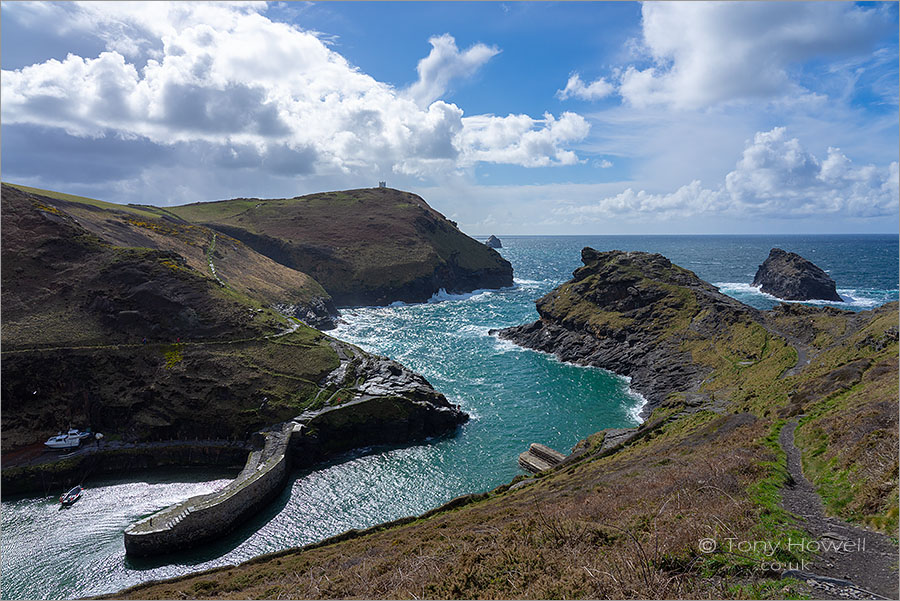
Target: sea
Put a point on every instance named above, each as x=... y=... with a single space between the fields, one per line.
x=514 y=397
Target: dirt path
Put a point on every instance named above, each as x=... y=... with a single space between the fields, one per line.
x=858 y=562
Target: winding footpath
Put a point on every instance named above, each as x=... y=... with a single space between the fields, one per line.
x=858 y=563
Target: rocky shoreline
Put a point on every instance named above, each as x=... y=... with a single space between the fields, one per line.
x=623 y=312
x=380 y=402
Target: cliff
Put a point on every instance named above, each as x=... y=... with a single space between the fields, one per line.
x=635 y=314
x=366 y=247
x=657 y=511
x=789 y=276
x=134 y=323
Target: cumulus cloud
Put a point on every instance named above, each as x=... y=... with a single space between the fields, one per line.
x=597 y=89
x=775 y=177
x=225 y=78
x=444 y=63
x=710 y=52
x=521 y=140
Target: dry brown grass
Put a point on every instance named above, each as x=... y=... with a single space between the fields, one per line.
x=625 y=526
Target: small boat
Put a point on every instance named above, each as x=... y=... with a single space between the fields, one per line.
x=69 y=440
x=71 y=496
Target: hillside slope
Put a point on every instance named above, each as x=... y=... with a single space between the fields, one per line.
x=106 y=324
x=635 y=314
x=366 y=247
x=207 y=252
x=630 y=514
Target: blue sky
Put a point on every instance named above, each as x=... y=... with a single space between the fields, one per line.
x=511 y=118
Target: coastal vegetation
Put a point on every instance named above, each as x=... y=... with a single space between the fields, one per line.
x=370 y=246
x=633 y=515
x=136 y=323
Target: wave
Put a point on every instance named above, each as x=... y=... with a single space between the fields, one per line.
x=529 y=284
x=505 y=346
x=635 y=412
x=852 y=297
x=473 y=331
x=442 y=295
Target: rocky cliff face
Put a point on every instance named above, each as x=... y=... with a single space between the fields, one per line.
x=631 y=312
x=144 y=343
x=789 y=276
x=224 y=260
x=366 y=247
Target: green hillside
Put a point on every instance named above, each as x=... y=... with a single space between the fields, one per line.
x=368 y=246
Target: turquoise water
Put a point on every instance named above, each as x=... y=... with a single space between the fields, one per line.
x=514 y=396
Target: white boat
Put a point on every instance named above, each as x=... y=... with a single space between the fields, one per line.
x=70 y=440
x=71 y=496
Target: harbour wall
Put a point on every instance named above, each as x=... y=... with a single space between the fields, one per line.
x=57 y=476
x=310 y=438
x=206 y=517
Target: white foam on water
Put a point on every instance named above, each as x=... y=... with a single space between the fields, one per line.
x=442 y=295
x=525 y=284
x=634 y=412
x=506 y=346
x=851 y=296
x=474 y=331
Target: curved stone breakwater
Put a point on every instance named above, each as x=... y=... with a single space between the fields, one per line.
x=309 y=438
x=205 y=517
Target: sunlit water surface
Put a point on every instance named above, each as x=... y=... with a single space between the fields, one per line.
x=514 y=397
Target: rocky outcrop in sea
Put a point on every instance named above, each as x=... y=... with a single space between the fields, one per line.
x=789 y=276
x=494 y=242
x=631 y=313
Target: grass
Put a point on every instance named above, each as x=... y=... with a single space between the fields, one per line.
x=337 y=238
x=849 y=443
x=144 y=211
x=173 y=355
x=627 y=523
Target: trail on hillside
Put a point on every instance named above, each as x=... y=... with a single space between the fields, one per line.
x=858 y=562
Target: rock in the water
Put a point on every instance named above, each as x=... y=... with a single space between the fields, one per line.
x=789 y=276
x=494 y=242
x=631 y=313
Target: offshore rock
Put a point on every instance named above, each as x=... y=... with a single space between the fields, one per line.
x=494 y=242
x=789 y=276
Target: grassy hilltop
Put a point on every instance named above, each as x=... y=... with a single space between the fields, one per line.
x=623 y=517
x=130 y=320
x=366 y=247
x=83 y=286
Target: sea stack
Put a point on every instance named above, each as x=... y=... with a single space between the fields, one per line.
x=494 y=242
x=789 y=276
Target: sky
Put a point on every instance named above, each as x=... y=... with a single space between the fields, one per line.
x=509 y=118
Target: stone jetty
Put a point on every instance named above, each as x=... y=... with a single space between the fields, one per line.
x=310 y=437
x=204 y=517
x=539 y=457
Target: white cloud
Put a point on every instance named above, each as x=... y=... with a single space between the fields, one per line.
x=597 y=89
x=444 y=63
x=706 y=53
x=227 y=78
x=775 y=177
x=521 y=140
x=603 y=164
